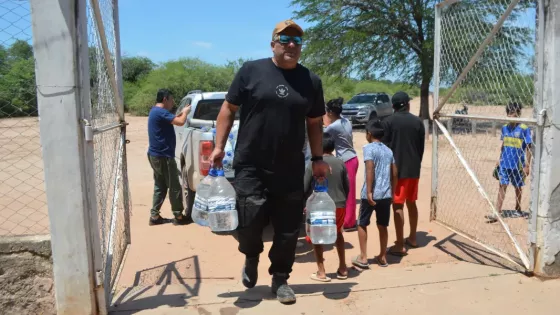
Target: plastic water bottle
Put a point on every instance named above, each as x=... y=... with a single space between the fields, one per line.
x=321 y=216
x=222 y=213
x=200 y=205
x=227 y=161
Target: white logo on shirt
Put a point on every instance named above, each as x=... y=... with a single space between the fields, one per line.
x=282 y=91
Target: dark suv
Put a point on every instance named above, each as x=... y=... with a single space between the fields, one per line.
x=361 y=107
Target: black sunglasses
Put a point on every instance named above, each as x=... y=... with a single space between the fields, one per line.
x=285 y=39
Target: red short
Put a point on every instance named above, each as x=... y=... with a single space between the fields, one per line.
x=340 y=214
x=407 y=190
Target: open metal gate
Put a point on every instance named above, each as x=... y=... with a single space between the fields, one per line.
x=107 y=129
x=485 y=61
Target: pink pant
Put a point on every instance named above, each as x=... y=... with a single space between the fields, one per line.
x=350 y=217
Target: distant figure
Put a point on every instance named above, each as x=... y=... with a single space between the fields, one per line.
x=380 y=181
x=340 y=129
x=405 y=134
x=338 y=188
x=515 y=159
x=161 y=154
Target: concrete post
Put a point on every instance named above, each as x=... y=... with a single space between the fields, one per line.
x=546 y=249
x=59 y=36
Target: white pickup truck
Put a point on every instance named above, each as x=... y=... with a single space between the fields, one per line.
x=195 y=140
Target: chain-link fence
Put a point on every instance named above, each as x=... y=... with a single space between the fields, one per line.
x=23 y=208
x=484 y=89
x=109 y=140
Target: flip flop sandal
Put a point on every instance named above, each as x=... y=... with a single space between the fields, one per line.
x=340 y=276
x=407 y=242
x=313 y=276
x=359 y=264
x=379 y=263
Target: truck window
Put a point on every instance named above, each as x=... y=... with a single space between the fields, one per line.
x=383 y=98
x=209 y=109
x=360 y=99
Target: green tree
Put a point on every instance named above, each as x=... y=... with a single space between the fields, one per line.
x=369 y=36
x=20 y=49
x=135 y=68
x=180 y=77
x=392 y=37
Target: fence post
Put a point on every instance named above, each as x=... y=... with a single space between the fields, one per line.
x=435 y=102
x=546 y=251
x=58 y=39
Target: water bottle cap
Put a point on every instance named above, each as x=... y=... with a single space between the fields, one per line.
x=321 y=188
x=213 y=172
x=221 y=173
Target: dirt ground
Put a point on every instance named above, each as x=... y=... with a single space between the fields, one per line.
x=189 y=268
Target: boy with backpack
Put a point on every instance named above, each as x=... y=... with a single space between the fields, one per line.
x=377 y=192
x=338 y=187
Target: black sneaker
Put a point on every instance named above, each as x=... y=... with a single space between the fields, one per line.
x=283 y=292
x=250 y=272
x=182 y=220
x=157 y=221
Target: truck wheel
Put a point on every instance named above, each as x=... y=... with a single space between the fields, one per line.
x=187 y=193
x=372 y=115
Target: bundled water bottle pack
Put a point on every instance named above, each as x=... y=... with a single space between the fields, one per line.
x=320 y=221
x=214 y=203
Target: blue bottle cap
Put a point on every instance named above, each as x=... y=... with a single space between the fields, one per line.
x=221 y=173
x=321 y=187
x=213 y=172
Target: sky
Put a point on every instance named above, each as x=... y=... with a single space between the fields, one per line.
x=213 y=30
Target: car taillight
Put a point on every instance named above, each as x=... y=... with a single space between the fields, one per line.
x=204 y=152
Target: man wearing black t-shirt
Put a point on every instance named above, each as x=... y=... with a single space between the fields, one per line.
x=404 y=134
x=276 y=97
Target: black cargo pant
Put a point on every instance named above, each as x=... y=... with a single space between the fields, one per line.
x=264 y=197
x=166 y=177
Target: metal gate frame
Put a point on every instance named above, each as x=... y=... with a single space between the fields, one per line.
x=106 y=285
x=528 y=262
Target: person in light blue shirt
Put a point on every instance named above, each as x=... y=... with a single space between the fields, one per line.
x=377 y=192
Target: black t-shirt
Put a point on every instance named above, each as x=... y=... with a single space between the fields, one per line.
x=274 y=105
x=404 y=134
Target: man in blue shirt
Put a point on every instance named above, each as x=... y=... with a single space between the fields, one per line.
x=515 y=158
x=161 y=154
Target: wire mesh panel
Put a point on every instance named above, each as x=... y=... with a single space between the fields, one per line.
x=23 y=207
x=503 y=72
x=108 y=140
x=485 y=83
x=501 y=171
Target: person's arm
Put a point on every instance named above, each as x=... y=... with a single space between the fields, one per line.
x=370 y=186
x=421 y=141
x=394 y=177
x=307 y=181
x=370 y=174
x=181 y=118
x=501 y=148
x=315 y=130
x=528 y=151
x=345 y=181
x=224 y=122
x=236 y=96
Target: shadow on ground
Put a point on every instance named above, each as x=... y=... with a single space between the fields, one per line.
x=185 y=272
x=467 y=251
x=253 y=297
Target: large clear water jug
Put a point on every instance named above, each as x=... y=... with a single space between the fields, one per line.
x=321 y=216
x=222 y=212
x=200 y=205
